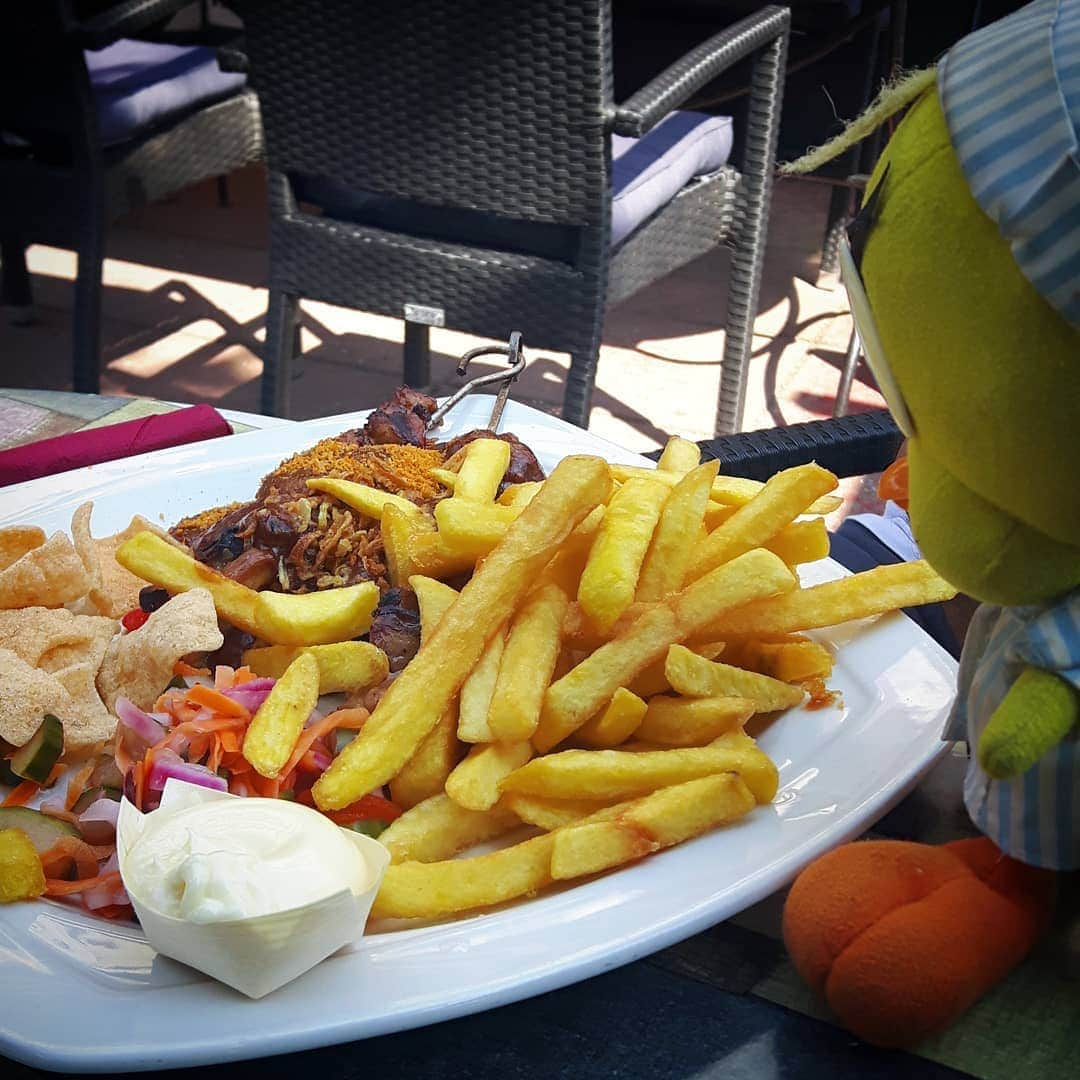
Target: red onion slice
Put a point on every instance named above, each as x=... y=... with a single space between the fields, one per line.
x=97 y=823
x=169 y=765
x=139 y=723
x=251 y=694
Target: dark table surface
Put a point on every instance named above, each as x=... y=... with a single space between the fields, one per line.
x=725 y=1003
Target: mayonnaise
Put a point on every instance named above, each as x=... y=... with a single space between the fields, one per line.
x=240 y=858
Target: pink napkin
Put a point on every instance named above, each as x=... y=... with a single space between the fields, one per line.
x=110 y=443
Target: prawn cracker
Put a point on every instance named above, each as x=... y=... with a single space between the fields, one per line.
x=48 y=576
x=87 y=721
x=17 y=540
x=139 y=664
x=114 y=590
x=54 y=638
x=26 y=695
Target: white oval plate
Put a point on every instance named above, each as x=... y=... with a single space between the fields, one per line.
x=85 y=995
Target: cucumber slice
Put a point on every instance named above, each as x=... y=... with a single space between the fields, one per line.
x=43 y=830
x=91 y=796
x=371 y=827
x=7 y=775
x=36 y=759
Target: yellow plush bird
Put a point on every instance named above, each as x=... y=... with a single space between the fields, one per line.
x=964 y=277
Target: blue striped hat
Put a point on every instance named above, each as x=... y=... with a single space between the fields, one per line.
x=1011 y=97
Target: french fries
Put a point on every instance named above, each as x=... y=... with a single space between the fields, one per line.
x=611 y=573
x=474 y=784
x=421 y=693
x=666 y=817
x=679 y=456
x=482 y=470
x=549 y=814
x=726 y=490
x=274 y=729
x=438 y=828
x=788 y=661
x=368 y=501
x=616 y=723
x=610 y=837
x=676 y=534
x=873 y=592
x=424 y=774
x=416 y=890
x=527 y=663
x=593 y=619
x=694 y=676
x=318 y=618
x=477 y=691
x=170 y=567
x=784 y=497
x=588 y=687
x=674 y=721
x=801 y=542
x=620 y=774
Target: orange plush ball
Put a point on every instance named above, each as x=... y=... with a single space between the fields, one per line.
x=901 y=938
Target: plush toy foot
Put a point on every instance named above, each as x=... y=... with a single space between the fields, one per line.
x=901 y=938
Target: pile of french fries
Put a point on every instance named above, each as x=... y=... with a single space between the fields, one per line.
x=592 y=678
x=577 y=670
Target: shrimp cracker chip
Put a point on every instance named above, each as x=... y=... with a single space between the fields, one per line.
x=26 y=695
x=16 y=541
x=55 y=638
x=87 y=721
x=114 y=591
x=139 y=664
x=50 y=576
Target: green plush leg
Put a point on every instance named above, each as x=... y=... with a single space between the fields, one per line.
x=1037 y=713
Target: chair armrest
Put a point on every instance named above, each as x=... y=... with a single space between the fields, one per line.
x=125 y=19
x=848 y=446
x=677 y=83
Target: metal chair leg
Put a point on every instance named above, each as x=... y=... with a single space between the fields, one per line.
x=86 y=317
x=417 y=355
x=847 y=375
x=580 y=383
x=16 y=292
x=278 y=354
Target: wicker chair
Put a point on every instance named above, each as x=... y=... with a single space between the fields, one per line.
x=65 y=176
x=498 y=115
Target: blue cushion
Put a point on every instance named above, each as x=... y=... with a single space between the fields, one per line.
x=139 y=85
x=647 y=173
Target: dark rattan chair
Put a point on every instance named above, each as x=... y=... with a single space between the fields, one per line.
x=62 y=181
x=499 y=116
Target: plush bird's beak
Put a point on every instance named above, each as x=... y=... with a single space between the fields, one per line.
x=894 y=482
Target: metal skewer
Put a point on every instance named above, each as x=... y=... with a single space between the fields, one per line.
x=515 y=353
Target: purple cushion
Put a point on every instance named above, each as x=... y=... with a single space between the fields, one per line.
x=138 y=85
x=647 y=173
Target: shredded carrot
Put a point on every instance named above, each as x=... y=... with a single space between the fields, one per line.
x=114 y=911
x=21 y=794
x=268 y=788
x=142 y=768
x=209 y=727
x=182 y=667
x=54 y=887
x=67 y=848
x=230 y=740
x=353 y=719
x=214 y=699
x=242 y=675
x=213 y=762
x=78 y=785
x=224 y=677
x=56 y=772
x=121 y=756
x=199 y=747
x=60 y=815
